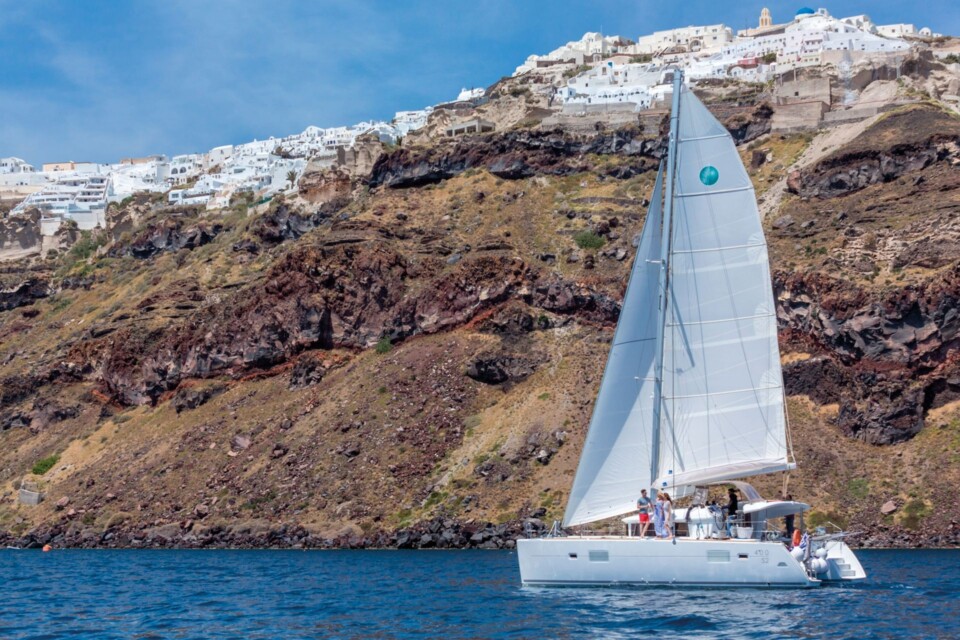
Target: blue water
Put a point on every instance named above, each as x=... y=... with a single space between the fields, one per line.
x=397 y=594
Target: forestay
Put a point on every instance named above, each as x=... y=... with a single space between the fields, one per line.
x=615 y=462
x=723 y=402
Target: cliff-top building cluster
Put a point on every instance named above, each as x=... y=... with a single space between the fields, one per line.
x=81 y=191
x=633 y=72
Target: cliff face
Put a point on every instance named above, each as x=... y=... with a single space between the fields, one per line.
x=517 y=154
x=409 y=357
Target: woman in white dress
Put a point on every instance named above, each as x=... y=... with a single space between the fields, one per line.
x=667 y=515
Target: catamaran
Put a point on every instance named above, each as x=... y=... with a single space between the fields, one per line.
x=692 y=397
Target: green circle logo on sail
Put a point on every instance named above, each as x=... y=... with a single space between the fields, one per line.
x=709 y=175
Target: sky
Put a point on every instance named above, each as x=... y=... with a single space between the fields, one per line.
x=99 y=80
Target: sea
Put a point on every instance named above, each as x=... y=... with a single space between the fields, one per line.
x=440 y=594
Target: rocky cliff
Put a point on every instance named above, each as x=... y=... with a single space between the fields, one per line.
x=408 y=355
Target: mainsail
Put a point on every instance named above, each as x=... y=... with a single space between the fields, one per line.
x=721 y=412
x=615 y=461
x=723 y=402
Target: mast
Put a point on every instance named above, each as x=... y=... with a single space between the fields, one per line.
x=665 y=242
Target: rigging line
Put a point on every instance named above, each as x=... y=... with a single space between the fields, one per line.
x=724 y=393
x=617 y=344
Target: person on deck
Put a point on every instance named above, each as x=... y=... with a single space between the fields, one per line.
x=789 y=518
x=667 y=516
x=644 y=503
x=731 y=509
x=658 y=516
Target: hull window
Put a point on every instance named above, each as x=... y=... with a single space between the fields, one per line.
x=599 y=556
x=718 y=556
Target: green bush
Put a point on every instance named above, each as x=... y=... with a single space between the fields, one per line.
x=384 y=345
x=913 y=513
x=85 y=246
x=44 y=465
x=588 y=240
x=569 y=73
x=859 y=488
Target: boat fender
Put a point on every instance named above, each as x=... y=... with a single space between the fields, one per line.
x=819 y=565
x=821 y=553
x=797 y=553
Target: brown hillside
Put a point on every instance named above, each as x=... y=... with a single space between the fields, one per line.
x=422 y=354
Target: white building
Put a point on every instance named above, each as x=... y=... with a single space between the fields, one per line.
x=897 y=30
x=611 y=83
x=467 y=95
x=591 y=45
x=127 y=179
x=693 y=39
x=15 y=172
x=407 y=121
x=862 y=22
x=15 y=165
x=78 y=197
x=217 y=156
x=184 y=168
x=812 y=32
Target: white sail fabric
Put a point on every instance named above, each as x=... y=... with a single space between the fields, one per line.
x=723 y=402
x=615 y=463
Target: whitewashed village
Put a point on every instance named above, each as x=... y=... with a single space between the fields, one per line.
x=599 y=75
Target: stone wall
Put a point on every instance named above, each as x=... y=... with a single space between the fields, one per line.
x=798 y=117
x=804 y=90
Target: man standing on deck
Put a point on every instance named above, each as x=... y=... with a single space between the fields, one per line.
x=643 y=505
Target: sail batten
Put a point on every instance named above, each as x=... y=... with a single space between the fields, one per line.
x=697 y=194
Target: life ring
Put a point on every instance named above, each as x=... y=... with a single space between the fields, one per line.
x=797 y=537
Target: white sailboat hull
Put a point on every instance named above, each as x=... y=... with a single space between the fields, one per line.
x=601 y=560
